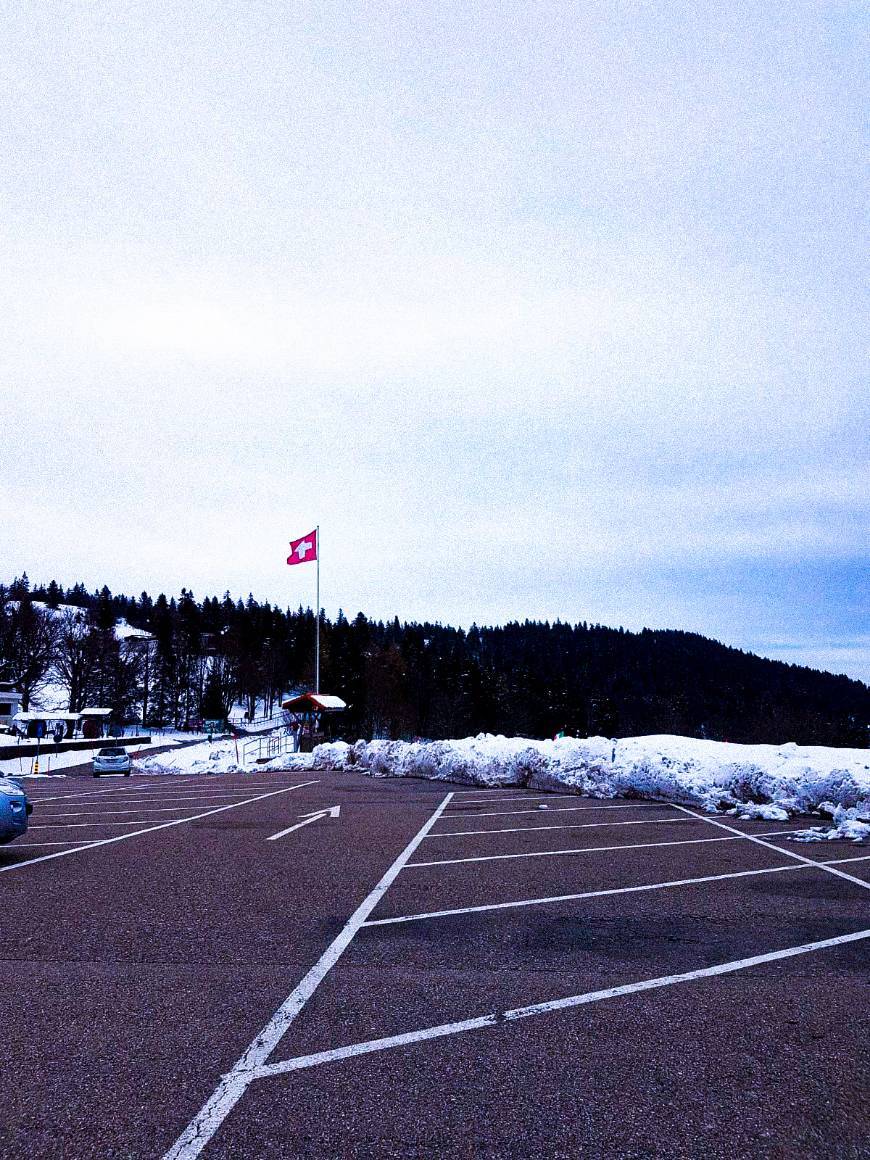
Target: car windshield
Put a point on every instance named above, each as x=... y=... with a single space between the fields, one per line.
x=111 y=753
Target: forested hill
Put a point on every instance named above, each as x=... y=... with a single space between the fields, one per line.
x=425 y=680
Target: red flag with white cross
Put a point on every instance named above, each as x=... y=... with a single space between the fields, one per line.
x=303 y=550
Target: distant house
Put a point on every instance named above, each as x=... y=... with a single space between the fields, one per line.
x=10 y=702
x=42 y=722
x=310 y=717
x=95 y=722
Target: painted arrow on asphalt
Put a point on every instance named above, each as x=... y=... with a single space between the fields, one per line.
x=314 y=816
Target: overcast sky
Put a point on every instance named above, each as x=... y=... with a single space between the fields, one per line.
x=538 y=309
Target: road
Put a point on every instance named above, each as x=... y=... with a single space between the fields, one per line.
x=435 y=971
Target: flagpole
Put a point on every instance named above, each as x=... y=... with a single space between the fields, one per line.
x=317 y=621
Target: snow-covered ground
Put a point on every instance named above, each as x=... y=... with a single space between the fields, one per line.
x=51 y=763
x=749 y=781
x=224 y=756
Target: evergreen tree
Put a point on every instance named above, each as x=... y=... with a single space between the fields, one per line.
x=525 y=678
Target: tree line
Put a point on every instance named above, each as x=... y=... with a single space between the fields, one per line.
x=405 y=680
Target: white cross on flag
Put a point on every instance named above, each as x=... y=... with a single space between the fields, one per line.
x=304 y=550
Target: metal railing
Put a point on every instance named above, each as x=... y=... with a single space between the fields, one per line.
x=268 y=747
x=241 y=723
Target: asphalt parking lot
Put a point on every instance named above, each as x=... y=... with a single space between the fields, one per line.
x=437 y=971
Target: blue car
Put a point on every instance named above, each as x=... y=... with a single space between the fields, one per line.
x=14 y=808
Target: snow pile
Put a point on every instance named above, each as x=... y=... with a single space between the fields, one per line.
x=770 y=782
x=751 y=781
x=218 y=757
x=331 y=755
x=852 y=823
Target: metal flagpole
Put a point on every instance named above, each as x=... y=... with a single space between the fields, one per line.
x=317 y=614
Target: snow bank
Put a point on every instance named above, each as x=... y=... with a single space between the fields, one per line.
x=217 y=757
x=772 y=782
x=751 y=781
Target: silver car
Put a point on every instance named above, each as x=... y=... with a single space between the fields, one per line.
x=112 y=759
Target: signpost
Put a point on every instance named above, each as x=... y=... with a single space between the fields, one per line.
x=40 y=733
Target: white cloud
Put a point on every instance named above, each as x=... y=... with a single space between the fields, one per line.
x=570 y=285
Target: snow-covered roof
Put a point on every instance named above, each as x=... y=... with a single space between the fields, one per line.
x=96 y=713
x=24 y=718
x=322 y=702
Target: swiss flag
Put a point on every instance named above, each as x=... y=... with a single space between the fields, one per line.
x=304 y=550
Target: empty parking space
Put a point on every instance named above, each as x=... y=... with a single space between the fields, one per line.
x=422 y=968
x=485 y=886
x=535 y=815
x=66 y=823
x=526 y=870
x=752 y=1068
x=562 y=925
x=542 y=825
x=535 y=806
x=485 y=923
x=544 y=841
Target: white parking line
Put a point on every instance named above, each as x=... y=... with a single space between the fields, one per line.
x=563 y=810
x=757 y=839
x=234 y=1084
x=69 y=842
x=147 y=830
x=489 y=792
x=565 y=826
x=158 y=797
x=492 y=1020
x=138 y=810
x=90 y=808
x=89 y=825
x=589 y=850
x=37 y=798
x=526 y=797
x=603 y=893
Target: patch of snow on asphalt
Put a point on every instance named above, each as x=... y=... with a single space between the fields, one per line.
x=853 y=823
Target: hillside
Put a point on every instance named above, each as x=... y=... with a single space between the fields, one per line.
x=430 y=680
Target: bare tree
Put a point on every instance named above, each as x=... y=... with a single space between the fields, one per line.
x=75 y=657
x=125 y=677
x=28 y=642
